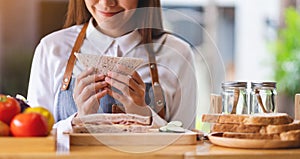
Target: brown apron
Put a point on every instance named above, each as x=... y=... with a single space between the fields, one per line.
x=157 y=90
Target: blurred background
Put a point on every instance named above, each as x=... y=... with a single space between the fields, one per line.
x=234 y=40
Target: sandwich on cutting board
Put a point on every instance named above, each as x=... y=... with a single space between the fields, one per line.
x=111 y=123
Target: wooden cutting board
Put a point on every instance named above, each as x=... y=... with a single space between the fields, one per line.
x=153 y=138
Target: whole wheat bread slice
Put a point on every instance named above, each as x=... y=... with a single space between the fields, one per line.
x=103 y=64
x=290 y=135
x=257 y=119
x=241 y=128
x=223 y=118
x=270 y=129
x=268 y=119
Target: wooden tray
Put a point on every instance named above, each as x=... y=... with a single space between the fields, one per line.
x=27 y=144
x=153 y=138
x=251 y=143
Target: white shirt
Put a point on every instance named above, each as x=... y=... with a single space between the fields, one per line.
x=174 y=61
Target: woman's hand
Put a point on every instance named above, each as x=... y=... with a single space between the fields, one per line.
x=133 y=92
x=89 y=88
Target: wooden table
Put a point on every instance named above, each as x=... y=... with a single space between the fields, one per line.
x=201 y=150
x=209 y=151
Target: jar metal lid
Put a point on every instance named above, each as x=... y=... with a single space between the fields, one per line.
x=263 y=84
x=234 y=84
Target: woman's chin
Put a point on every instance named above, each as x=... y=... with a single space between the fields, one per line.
x=115 y=28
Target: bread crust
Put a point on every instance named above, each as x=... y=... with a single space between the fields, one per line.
x=210 y=118
x=290 y=135
x=268 y=119
x=223 y=118
x=232 y=118
x=271 y=129
x=257 y=119
x=241 y=128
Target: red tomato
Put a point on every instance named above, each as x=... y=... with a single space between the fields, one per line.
x=9 y=107
x=29 y=124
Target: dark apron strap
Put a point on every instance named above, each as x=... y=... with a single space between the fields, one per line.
x=71 y=62
x=159 y=101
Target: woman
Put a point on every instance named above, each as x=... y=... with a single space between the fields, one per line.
x=163 y=87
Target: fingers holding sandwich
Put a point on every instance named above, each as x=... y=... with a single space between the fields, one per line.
x=132 y=90
x=88 y=89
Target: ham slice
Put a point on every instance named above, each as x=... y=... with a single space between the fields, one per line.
x=116 y=128
x=111 y=123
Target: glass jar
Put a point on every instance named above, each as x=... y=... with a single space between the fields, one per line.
x=263 y=97
x=234 y=98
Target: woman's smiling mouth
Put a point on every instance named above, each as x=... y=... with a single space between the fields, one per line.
x=109 y=14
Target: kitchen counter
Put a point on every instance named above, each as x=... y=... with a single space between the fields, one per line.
x=210 y=151
x=33 y=150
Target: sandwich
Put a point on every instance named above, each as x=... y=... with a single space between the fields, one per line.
x=111 y=123
x=103 y=64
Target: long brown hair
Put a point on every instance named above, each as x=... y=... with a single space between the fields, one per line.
x=78 y=14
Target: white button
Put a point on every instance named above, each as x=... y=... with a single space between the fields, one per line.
x=152 y=66
x=66 y=79
x=159 y=103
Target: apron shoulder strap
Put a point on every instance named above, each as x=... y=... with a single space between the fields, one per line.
x=71 y=62
x=159 y=101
